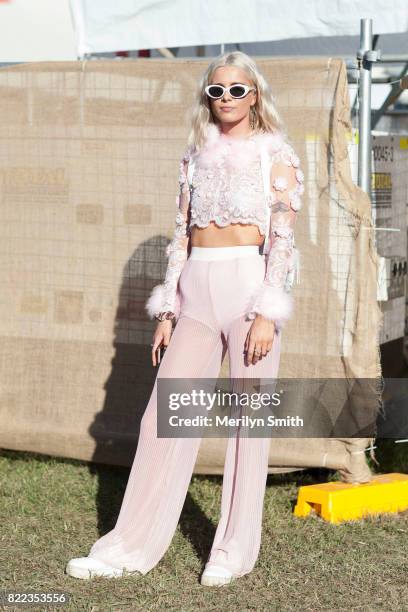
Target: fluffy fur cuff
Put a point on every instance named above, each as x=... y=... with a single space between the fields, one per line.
x=156 y=301
x=154 y=304
x=272 y=303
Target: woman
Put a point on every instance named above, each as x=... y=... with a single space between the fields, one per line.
x=240 y=188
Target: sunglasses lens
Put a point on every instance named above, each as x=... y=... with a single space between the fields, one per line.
x=237 y=91
x=215 y=92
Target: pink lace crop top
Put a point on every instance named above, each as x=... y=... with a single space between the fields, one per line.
x=255 y=180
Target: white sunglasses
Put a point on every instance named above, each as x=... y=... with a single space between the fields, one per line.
x=236 y=91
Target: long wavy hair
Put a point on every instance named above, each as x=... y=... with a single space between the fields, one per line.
x=265 y=115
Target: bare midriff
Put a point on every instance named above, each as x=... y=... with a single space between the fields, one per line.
x=235 y=234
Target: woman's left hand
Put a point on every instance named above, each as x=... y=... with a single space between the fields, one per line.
x=259 y=339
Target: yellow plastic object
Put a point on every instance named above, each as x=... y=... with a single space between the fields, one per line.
x=338 y=501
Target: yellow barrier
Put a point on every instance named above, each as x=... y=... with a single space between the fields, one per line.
x=337 y=501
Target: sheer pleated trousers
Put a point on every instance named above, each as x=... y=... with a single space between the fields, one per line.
x=214 y=287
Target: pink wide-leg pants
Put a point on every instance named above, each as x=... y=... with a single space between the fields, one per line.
x=214 y=287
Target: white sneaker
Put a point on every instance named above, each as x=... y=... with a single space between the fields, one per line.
x=86 y=567
x=214 y=575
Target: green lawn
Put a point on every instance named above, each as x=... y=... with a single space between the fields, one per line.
x=54 y=509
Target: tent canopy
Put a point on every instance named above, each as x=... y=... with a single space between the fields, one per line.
x=150 y=24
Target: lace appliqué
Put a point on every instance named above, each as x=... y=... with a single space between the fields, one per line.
x=176 y=250
x=227 y=194
x=273 y=300
x=164 y=297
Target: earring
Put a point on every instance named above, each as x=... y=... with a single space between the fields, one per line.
x=253 y=117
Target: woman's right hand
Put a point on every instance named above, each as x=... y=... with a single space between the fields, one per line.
x=161 y=337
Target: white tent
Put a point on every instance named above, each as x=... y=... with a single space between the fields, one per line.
x=146 y=24
x=46 y=30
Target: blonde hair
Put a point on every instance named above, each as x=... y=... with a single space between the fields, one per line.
x=266 y=117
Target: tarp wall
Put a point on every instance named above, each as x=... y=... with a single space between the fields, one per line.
x=89 y=174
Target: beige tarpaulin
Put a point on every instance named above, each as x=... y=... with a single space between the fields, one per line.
x=89 y=173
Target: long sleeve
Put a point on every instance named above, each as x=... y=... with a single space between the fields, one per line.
x=273 y=299
x=164 y=298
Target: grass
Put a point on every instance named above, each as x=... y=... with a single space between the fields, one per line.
x=53 y=509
